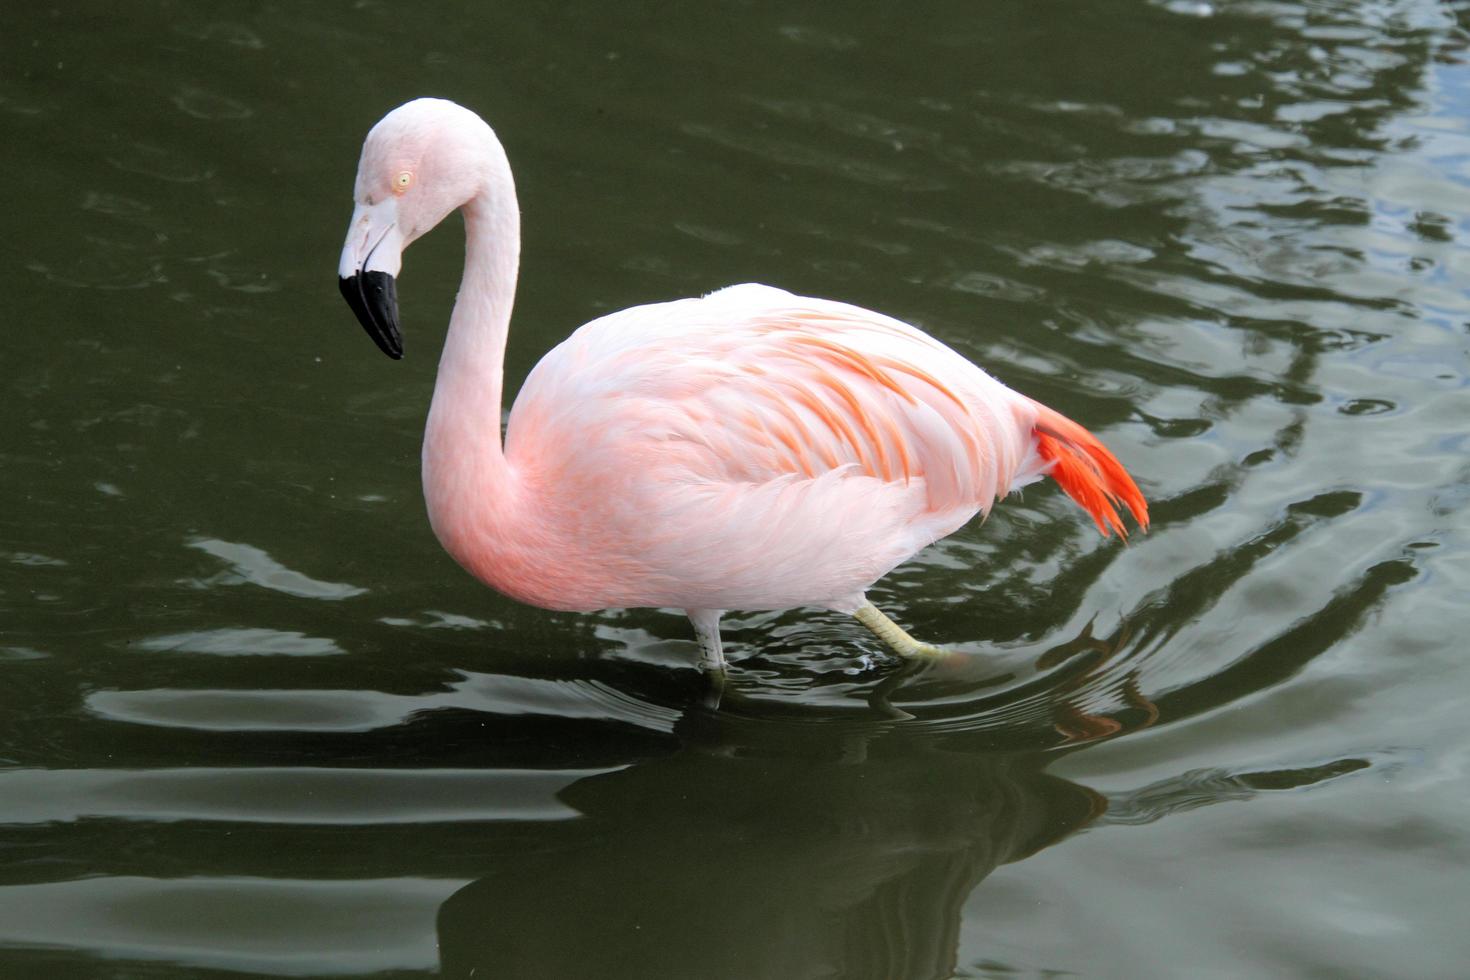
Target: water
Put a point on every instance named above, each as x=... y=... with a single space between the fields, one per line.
x=253 y=721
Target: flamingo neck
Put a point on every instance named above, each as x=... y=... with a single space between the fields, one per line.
x=462 y=456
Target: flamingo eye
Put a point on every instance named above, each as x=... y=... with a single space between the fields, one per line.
x=403 y=181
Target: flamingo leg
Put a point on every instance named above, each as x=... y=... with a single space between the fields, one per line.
x=707 y=632
x=894 y=636
x=711 y=653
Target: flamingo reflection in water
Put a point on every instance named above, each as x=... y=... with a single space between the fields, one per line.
x=814 y=843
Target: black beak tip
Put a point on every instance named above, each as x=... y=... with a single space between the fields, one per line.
x=373 y=297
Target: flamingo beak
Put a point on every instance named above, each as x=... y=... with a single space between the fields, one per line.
x=371 y=258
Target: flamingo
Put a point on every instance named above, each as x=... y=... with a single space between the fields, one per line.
x=748 y=449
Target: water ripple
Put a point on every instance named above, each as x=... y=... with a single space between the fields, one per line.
x=798 y=154
x=243 y=642
x=204 y=104
x=274 y=926
x=296 y=795
x=363 y=710
x=1205 y=787
x=249 y=564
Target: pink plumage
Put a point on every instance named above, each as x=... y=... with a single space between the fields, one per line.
x=750 y=449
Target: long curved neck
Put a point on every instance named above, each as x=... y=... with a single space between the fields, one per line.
x=462 y=443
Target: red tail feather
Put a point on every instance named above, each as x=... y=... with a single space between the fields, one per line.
x=1088 y=472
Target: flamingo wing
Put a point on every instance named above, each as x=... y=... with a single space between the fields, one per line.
x=761 y=449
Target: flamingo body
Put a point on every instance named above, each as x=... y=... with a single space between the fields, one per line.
x=749 y=449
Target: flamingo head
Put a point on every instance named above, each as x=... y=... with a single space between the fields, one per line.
x=420 y=162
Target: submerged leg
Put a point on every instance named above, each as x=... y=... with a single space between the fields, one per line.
x=894 y=635
x=711 y=653
x=707 y=632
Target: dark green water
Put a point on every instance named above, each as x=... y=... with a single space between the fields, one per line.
x=253 y=721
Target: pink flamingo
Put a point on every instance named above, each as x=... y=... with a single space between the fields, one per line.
x=749 y=449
